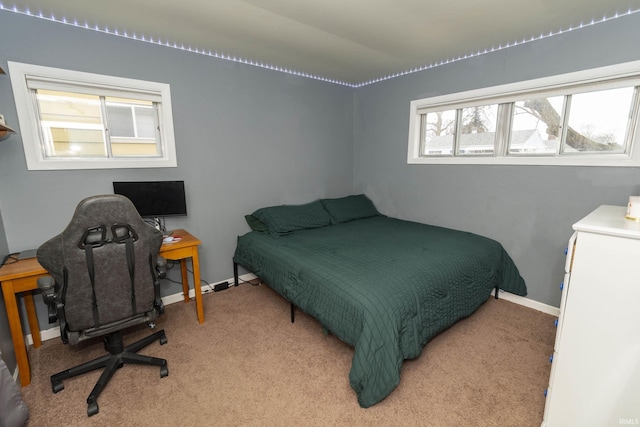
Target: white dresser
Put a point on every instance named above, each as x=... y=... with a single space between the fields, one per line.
x=595 y=371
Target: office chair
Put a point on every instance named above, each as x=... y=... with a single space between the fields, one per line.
x=105 y=277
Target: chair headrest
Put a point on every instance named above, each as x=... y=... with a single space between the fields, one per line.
x=96 y=221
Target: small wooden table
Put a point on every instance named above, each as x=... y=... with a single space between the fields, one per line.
x=186 y=247
x=22 y=276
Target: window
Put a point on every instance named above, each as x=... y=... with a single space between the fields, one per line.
x=476 y=127
x=75 y=120
x=530 y=131
x=583 y=118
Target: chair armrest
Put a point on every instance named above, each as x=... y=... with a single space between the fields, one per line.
x=161 y=267
x=48 y=287
x=161 y=270
x=46 y=282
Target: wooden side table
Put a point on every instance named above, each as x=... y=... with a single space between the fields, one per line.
x=186 y=247
x=15 y=278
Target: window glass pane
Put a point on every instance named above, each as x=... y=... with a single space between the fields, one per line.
x=145 y=122
x=71 y=124
x=535 y=127
x=478 y=129
x=132 y=126
x=69 y=142
x=131 y=118
x=120 y=121
x=437 y=133
x=132 y=149
x=598 y=121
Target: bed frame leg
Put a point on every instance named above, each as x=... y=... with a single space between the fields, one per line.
x=497 y=291
x=237 y=282
x=235 y=274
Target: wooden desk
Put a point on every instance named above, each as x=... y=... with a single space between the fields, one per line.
x=22 y=276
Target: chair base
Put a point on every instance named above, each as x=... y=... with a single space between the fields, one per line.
x=117 y=357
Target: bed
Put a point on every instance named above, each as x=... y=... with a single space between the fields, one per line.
x=382 y=285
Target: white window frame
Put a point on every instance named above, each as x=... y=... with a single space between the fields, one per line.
x=29 y=120
x=610 y=75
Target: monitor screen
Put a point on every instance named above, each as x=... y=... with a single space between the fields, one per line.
x=154 y=198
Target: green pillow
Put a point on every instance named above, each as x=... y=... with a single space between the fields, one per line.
x=350 y=208
x=255 y=224
x=285 y=219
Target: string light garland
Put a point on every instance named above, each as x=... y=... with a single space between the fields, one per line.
x=246 y=61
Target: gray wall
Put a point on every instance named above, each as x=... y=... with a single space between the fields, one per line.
x=246 y=138
x=529 y=209
x=249 y=137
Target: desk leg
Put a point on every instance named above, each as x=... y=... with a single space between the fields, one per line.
x=195 y=259
x=185 y=279
x=33 y=319
x=11 y=303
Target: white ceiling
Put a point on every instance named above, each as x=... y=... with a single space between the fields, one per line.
x=350 y=41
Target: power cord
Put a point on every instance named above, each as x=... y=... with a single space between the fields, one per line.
x=252 y=282
x=202 y=281
x=10 y=259
x=172 y=263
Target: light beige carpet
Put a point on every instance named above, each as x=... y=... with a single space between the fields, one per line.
x=248 y=365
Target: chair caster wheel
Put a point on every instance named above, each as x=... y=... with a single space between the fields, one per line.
x=164 y=371
x=92 y=409
x=163 y=340
x=57 y=386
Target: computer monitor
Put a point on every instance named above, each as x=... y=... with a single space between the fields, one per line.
x=154 y=198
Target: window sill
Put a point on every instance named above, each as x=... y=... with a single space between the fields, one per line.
x=610 y=160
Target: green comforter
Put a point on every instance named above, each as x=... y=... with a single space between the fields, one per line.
x=383 y=285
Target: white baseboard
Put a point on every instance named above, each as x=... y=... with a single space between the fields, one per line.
x=179 y=297
x=166 y=300
x=549 y=309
